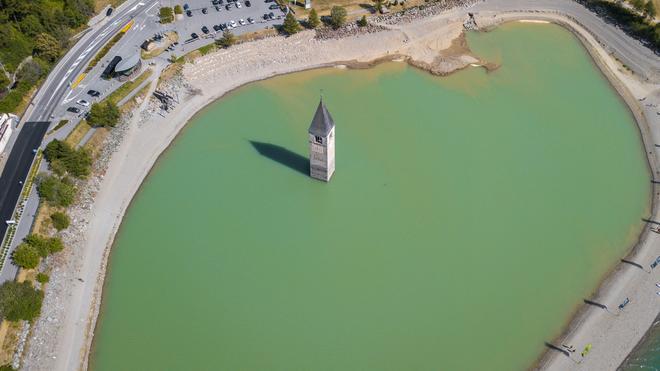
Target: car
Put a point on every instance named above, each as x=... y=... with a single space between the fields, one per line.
x=108 y=12
x=205 y=10
x=232 y=24
x=93 y=93
x=241 y=22
x=273 y=6
x=214 y=2
x=194 y=36
x=188 y=13
x=186 y=6
x=73 y=109
x=205 y=29
x=228 y=6
x=271 y=15
x=217 y=7
x=83 y=103
x=248 y=3
x=238 y=4
x=269 y=1
x=250 y=20
x=216 y=27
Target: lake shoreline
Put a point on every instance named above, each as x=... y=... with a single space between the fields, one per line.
x=130 y=165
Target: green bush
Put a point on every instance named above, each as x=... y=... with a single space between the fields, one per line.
x=19 y=301
x=42 y=278
x=60 y=220
x=62 y=157
x=166 y=15
x=362 y=22
x=104 y=114
x=7 y=368
x=291 y=25
x=59 y=192
x=178 y=9
x=313 y=21
x=44 y=246
x=228 y=39
x=26 y=256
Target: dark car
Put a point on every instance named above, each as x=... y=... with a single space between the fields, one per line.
x=73 y=109
x=93 y=93
x=228 y=7
x=271 y=15
x=265 y=16
x=217 y=7
x=273 y=6
x=216 y=27
x=248 y=3
x=205 y=29
x=188 y=13
x=108 y=12
x=194 y=36
x=186 y=6
x=269 y=1
x=205 y=10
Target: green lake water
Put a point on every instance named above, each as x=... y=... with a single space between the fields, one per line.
x=468 y=217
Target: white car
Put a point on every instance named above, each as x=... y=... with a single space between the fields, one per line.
x=232 y=24
x=241 y=22
x=83 y=103
x=238 y=4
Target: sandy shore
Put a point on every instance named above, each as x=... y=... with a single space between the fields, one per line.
x=61 y=339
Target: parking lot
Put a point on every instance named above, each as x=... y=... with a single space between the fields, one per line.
x=203 y=13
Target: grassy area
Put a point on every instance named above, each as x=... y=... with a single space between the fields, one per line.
x=42 y=224
x=100 y=4
x=18 y=99
x=58 y=126
x=95 y=142
x=77 y=133
x=9 y=336
x=126 y=88
x=133 y=102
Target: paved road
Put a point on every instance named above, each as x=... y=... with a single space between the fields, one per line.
x=17 y=168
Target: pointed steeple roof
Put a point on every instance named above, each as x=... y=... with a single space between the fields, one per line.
x=322 y=122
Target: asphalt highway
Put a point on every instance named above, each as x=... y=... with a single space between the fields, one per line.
x=17 y=168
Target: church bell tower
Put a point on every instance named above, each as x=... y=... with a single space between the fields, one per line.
x=322 y=144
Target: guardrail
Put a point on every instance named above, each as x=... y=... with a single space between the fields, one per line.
x=20 y=206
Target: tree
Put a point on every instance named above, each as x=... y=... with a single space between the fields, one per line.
x=313 y=21
x=60 y=220
x=337 y=16
x=178 y=9
x=30 y=72
x=26 y=256
x=44 y=246
x=46 y=47
x=166 y=15
x=649 y=9
x=63 y=158
x=638 y=4
x=19 y=301
x=378 y=5
x=291 y=25
x=104 y=114
x=362 y=22
x=228 y=39
x=59 y=192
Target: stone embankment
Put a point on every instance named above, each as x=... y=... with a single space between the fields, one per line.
x=422 y=11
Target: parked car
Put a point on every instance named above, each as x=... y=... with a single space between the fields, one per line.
x=238 y=4
x=269 y=1
x=271 y=15
x=73 y=109
x=216 y=27
x=83 y=103
x=194 y=36
x=93 y=93
x=273 y=6
x=241 y=22
x=250 y=20
x=188 y=13
x=248 y=3
x=205 y=29
x=232 y=24
x=228 y=7
x=205 y=10
x=186 y=7
x=217 y=7
x=108 y=12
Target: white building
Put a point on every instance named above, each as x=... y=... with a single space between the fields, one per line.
x=322 y=144
x=5 y=130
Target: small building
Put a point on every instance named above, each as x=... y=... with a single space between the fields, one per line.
x=322 y=144
x=128 y=65
x=109 y=70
